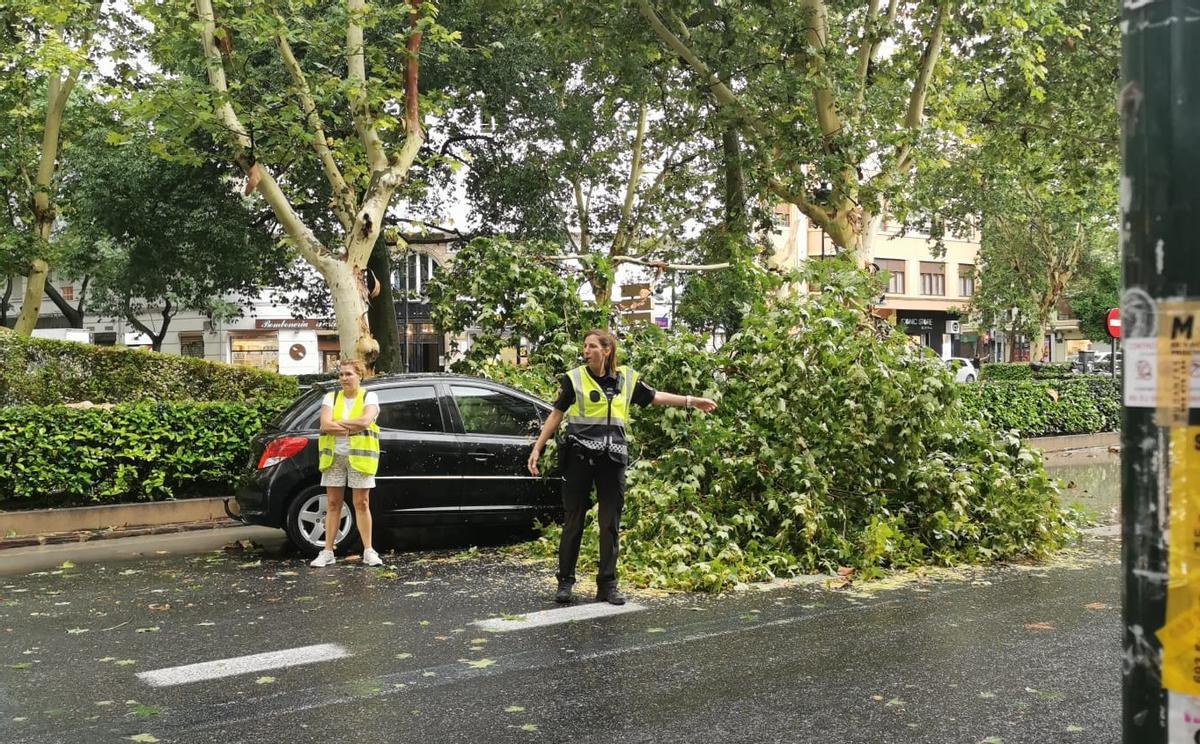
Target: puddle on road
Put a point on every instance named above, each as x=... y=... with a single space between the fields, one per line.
x=1094 y=485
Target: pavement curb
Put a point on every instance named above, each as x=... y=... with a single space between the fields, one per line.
x=112 y=533
x=77 y=524
x=1076 y=441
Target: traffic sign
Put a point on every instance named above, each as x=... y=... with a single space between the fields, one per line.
x=1113 y=322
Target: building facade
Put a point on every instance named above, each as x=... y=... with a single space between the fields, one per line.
x=266 y=335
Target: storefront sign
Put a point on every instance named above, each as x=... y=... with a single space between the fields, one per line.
x=293 y=324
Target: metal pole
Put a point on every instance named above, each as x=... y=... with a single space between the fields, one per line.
x=407 y=283
x=1159 y=107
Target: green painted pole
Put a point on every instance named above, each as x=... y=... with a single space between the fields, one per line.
x=1159 y=106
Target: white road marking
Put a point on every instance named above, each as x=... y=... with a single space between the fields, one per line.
x=288 y=657
x=555 y=616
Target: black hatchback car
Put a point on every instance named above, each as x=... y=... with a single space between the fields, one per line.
x=453 y=451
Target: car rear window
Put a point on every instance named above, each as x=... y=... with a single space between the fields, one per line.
x=296 y=415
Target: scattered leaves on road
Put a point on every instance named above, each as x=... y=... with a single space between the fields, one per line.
x=529 y=727
x=1073 y=729
x=481 y=663
x=1039 y=626
x=264 y=680
x=147 y=738
x=1096 y=606
x=77 y=631
x=145 y=711
x=515 y=709
x=404 y=655
x=656 y=630
x=151 y=629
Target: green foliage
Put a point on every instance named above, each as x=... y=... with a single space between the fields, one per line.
x=1097 y=291
x=509 y=291
x=833 y=446
x=1009 y=371
x=1072 y=405
x=152 y=234
x=56 y=456
x=45 y=372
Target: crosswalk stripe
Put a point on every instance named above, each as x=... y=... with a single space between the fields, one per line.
x=288 y=657
x=555 y=616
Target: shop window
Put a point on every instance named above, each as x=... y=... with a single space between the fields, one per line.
x=68 y=292
x=191 y=345
x=261 y=352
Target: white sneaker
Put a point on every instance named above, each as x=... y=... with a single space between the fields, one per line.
x=324 y=558
x=371 y=558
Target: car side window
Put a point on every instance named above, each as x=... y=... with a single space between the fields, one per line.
x=413 y=408
x=486 y=411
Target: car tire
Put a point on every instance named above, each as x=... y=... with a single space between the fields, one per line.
x=304 y=523
x=970 y=378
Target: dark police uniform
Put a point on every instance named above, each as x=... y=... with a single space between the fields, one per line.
x=596 y=454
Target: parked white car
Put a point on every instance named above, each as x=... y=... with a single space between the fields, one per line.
x=963 y=369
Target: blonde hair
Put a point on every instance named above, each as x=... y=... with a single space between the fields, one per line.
x=360 y=369
x=607 y=342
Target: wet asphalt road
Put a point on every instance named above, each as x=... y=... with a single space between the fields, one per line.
x=1014 y=654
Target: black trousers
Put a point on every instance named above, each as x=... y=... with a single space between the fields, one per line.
x=580 y=474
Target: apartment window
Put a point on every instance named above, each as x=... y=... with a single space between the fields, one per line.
x=414 y=273
x=895 y=269
x=966 y=280
x=191 y=345
x=933 y=278
x=783 y=217
x=68 y=292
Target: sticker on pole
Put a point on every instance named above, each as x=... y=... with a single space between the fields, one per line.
x=1183 y=718
x=1140 y=348
x=1180 y=633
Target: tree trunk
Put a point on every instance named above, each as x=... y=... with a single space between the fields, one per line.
x=8 y=288
x=735 y=184
x=73 y=315
x=382 y=312
x=31 y=302
x=349 y=309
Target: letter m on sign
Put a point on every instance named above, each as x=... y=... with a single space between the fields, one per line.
x=1181 y=326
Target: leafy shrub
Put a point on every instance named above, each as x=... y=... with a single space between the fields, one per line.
x=1011 y=371
x=1074 y=405
x=43 y=372
x=59 y=456
x=833 y=446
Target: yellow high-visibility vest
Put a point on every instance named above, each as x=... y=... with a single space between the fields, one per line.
x=364 y=446
x=595 y=422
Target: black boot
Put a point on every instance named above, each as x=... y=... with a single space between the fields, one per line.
x=610 y=593
x=563 y=595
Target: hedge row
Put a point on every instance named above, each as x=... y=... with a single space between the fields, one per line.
x=1082 y=404
x=1008 y=372
x=53 y=456
x=43 y=372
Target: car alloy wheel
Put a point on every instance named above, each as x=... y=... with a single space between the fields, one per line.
x=306 y=522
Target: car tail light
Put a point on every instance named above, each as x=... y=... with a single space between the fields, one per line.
x=281 y=449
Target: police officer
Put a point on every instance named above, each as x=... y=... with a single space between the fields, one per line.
x=595 y=399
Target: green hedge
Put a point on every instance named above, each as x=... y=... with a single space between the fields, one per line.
x=44 y=372
x=1082 y=404
x=1011 y=371
x=53 y=456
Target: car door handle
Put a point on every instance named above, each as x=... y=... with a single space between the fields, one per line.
x=481 y=456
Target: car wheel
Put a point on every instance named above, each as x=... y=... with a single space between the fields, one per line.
x=305 y=525
x=970 y=378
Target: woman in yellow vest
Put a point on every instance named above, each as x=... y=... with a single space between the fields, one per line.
x=349 y=455
x=595 y=399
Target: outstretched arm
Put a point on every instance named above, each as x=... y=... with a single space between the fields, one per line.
x=548 y=429
x=683 y=401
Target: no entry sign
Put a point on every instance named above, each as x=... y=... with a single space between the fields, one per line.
x=1114 y=322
